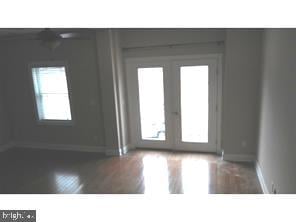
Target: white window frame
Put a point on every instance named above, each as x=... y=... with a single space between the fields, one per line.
x=51 y=121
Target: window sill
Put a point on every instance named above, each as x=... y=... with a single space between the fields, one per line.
x=56 y=122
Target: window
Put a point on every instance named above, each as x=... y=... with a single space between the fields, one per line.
x=51 y=93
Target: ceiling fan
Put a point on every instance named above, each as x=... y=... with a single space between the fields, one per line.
x=50 y=38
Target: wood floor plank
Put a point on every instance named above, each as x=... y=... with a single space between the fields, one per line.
x=32 y=171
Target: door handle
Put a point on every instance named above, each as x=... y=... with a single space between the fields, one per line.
x=175 y=113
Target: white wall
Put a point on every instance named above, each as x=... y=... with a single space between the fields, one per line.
x=120 y=82
x=167 y=42
x=112 y=89
x=106 y=69
x=241 y=83
x=241 y=51
x=81 y=58
x=98 y=83
x=131 y=38
x=5 y=128
x=277 y=153
x=96 y=79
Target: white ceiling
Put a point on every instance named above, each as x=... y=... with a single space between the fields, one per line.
x=18 y=31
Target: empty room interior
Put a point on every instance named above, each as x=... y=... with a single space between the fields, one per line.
x=147 y=111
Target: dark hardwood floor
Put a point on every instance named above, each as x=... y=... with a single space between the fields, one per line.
x=28 y=171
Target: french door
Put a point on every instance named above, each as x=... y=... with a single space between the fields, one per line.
x=173 y=102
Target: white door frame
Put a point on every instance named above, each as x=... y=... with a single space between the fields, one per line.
x=132 y=93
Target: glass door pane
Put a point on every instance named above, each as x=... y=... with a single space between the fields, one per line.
x=151 y=99
x=194 y=103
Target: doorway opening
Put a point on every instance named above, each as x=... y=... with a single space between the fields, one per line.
x=174 y=102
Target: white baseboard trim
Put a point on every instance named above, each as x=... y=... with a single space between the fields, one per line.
x=261 y=178
x=219 y=152
x=127 y=148
x=119 y=152
x=65 y=147
x=113 y=152
x=238 y=157
x=6 y=146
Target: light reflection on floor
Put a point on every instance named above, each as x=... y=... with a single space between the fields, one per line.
x=155 y=174
x=195 y=176
x=67 y=183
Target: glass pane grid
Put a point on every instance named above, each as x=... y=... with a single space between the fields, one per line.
x=51 y=90
x=56 y=106
x=194 y=103
x=151 y=96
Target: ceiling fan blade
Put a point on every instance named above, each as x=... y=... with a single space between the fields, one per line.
x=70 y=35
x=48 y=35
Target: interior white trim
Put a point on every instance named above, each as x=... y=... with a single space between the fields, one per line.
x=219 y=92
x=238 y=157
x=261 y=178
x=69 y=147
x=113 y=152
x=127 y=148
